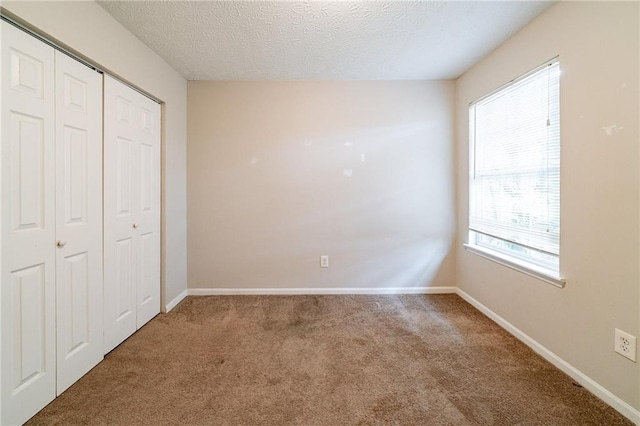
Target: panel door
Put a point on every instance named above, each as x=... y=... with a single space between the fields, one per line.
x=79 y=301
x=27 y=226
x=121 y=211
x=148 y=231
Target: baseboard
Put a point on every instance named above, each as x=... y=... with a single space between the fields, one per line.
x=176 y=300
x=588 y=383
x=331 y=290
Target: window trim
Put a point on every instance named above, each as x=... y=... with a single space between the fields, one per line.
x=534 y=270
x=518 y=265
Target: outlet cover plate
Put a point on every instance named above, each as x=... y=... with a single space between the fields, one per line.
x=625 y=344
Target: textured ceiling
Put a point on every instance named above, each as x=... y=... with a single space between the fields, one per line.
x=323 y=40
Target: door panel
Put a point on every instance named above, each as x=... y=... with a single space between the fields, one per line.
x=75 y=286
x=132 y=211
x=78 y=219
x=149 y=207
x=28 y=287
x=125 y=281
x=145 y=289
x=28 y=74
x=76 y=197
x=146 y=177
x=120 y=143
x=124 y=104
x=74 y=92
x=124 y=184
x=27 y=183
x=27 y=226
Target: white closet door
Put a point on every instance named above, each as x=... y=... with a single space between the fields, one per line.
x=131 y=211
x=148 y=231
x=27 y=220
x=121 y=148
x=79 y=300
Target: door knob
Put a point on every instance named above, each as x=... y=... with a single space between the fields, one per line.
x=135 y=225
x=61 y=243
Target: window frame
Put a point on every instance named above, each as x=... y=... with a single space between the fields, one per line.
x=536 y=266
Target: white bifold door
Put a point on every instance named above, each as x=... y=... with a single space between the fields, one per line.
x=50 y=223
x=27 y=217
x=131 y=211
x=79 y=299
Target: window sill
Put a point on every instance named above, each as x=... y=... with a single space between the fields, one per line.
x=539 y=273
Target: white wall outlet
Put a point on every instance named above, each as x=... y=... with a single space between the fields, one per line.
x=324 y=261
x=625 y=345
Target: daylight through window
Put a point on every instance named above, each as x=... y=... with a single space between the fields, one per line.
x=514 y=141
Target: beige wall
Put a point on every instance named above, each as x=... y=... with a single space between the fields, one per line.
x=280 y=173
x=598 y=48
x=87 y=28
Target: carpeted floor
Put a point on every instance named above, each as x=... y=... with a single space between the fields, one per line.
x=325 y=360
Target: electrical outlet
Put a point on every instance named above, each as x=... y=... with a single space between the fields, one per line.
x=324 y=261
x=625 y=345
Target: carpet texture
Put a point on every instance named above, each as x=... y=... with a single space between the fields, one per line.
x=325 y=360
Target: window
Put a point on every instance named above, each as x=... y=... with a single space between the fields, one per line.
x=514 y=183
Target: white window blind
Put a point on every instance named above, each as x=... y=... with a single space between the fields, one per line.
x=515 y=168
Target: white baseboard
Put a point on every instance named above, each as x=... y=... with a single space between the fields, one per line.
x=588 y=383
x=332 y=290
x=172 y=304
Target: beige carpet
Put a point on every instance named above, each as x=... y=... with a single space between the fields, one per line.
x=325 y=360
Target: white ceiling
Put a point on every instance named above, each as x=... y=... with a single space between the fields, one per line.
x=323 y=40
